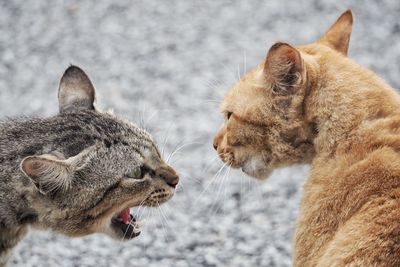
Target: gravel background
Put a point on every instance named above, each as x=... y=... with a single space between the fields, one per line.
x=168 y=63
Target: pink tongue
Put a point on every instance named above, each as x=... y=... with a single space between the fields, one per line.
x=125 y=215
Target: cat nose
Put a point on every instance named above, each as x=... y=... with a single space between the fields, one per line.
x=216 y=141
x=172 y=180
x=169 y=176
x=218 y=137
x=215 y=145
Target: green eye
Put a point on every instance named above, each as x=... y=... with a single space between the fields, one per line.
x=136 y=173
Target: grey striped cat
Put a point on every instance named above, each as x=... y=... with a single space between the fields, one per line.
x=78 y=172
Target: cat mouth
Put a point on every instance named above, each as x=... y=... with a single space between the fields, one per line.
x=125 y=224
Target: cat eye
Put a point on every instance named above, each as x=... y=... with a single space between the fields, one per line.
x=228 y=114
x=137 y=173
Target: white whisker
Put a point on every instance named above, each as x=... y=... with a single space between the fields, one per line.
x=227 y=171
x=166 y=139
x=162 y=224
x=209 y=183
x=177 y=149
x=244 y=62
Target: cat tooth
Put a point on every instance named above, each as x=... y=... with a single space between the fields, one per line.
x=140 y=223
x=132 y=218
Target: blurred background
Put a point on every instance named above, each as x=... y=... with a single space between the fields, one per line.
x=166 y=65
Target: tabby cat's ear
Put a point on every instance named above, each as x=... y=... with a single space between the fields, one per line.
x=338 y=35
x=76 y=91
x=51 y=173
x=283 y=67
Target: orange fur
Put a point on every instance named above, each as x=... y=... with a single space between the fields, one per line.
x=312 y=104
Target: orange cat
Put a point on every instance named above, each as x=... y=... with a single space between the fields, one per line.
x=312 y=104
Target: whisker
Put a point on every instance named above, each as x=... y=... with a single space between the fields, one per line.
x=210 y=100
x=244 y=62
x=227 y=171
x=215 y=84
x=216 y=102
x=146 y=226
x=141 y=116
x=238 y=71
x=197 y=181
x=214 y=160
x=213 y=179
x=140 y=215
x=230 y=71
x=131 y=220
x=226 y=187
x=165 y=217
x=177 y=149
x=162 y=224
x=241 y=187
x=166 y=139
x=141 y=205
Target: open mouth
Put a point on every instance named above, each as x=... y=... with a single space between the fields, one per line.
x=125 y=224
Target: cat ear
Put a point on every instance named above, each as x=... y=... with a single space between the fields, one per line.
x=76 y=91
x=48 y=173
x=51 y=173
x=283 y=67
x=338 y=35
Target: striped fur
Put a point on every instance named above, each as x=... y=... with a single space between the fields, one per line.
x=69 y=172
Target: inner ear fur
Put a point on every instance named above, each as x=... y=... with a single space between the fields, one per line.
x=338 y=35
x=283 y=67
x=51 y=173
x=48 y=173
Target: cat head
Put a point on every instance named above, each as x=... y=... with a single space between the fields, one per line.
x=96 y=167
x=266 y=121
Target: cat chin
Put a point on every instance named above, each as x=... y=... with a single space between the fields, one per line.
x=256 y=168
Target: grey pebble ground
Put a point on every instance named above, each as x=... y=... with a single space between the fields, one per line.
x=168 y=63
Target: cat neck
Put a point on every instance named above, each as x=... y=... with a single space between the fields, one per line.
x=347 y=98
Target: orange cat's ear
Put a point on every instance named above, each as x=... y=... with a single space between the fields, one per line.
x=338 y=35
x=283 y=67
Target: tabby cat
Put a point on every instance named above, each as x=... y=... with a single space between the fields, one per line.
x=312 y=104
x=78 y=172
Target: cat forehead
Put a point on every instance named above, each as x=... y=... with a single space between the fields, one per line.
x=112 y=128
x=248 y=92
x=122 y=125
